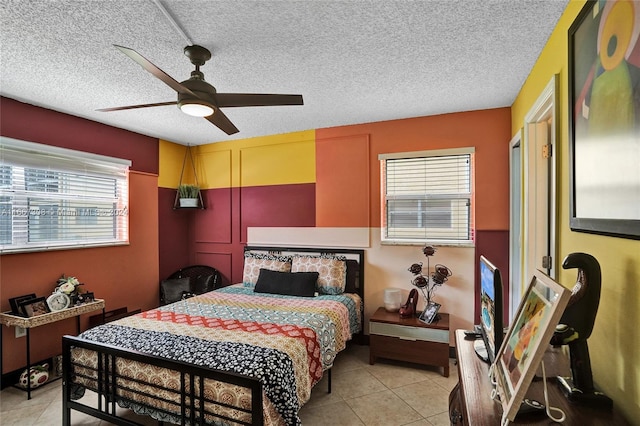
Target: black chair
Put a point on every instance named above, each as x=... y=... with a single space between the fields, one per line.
x=189 y=281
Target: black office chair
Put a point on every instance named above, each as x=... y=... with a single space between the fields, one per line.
x=189 y=281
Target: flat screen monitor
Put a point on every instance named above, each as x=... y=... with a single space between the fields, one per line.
x=491 y=311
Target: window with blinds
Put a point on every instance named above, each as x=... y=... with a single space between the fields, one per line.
x=427 y=197
x=55 y=198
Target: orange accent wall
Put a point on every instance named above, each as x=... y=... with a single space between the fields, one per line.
x=342 y=179
x=487 y=130
x=122 y=275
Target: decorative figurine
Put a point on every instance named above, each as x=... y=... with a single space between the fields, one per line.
x=575 y=328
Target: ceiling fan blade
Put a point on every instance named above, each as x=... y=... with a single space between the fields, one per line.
x=136 y=106
x=157 y=72
x=256 y=99
x=221 y=121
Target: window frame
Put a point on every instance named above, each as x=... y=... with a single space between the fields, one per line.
x=384 y=198
x=75 y=184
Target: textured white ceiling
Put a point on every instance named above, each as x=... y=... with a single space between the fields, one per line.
x=353 y=61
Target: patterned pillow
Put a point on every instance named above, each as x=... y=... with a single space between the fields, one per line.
x=254 y=261
x=332 y=271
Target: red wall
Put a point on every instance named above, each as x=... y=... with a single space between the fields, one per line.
x=122 y=275
x=33 y=124
x=216 y=236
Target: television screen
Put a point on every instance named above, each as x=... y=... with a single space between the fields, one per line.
x=491 y=315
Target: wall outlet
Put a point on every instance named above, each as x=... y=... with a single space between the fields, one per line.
x=20 y=332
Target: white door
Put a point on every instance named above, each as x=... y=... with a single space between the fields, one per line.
x=537 y=213
x=538 y=205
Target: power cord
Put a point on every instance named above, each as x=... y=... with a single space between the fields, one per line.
x=548 y=409
x=562 y=417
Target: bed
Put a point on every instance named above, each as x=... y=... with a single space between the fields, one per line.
x=246 y=354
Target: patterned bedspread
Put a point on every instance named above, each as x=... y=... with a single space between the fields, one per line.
x=286 y=342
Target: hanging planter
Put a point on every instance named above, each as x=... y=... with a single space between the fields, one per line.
x=188 y=195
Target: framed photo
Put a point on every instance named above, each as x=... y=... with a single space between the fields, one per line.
x=36 y=306
x=85 y=297
x=604 y=127
x=526 y=341
x=430 y=313
x=15 y=303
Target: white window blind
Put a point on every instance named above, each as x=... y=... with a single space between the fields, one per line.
x=54 y=198
x=428 y=197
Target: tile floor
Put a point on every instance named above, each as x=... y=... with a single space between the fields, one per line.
x=388 y=393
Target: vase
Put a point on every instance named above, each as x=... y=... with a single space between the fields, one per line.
x=392 y=299
x=37 y=376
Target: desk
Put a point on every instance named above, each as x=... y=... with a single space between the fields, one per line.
x=8 y=319
x=470 y=403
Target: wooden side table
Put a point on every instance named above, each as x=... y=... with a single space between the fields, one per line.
x=409 y=339
x=6 y=318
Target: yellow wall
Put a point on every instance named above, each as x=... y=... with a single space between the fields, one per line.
x=290 y=159
x=170 y=159
x=615 y=343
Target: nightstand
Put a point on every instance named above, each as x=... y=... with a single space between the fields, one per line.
x=409 y=339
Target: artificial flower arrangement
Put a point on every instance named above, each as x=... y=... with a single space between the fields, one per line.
x=68 y=285
x=71 y=287
x=429 y=283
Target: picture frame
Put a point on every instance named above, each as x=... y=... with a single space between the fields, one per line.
x=14 y=302
x=527 y=340
x=85 y=297
x=430 y=312
x=604 y=146
x=33 y=307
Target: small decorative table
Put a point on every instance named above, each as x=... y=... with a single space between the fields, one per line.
x=10 y=320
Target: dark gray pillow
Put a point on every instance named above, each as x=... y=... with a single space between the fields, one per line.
x=287 y=283
x=171 y=290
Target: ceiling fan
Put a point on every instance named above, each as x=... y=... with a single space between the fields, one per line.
x=198 y=98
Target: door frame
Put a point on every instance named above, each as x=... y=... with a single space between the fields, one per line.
x=544 y=109
x=515 y=227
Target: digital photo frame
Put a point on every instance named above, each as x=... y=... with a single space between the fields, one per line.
x=527 y=340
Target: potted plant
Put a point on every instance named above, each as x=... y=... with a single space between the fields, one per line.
x=188 y=195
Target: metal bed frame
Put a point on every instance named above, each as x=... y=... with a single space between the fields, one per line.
x=110 y=384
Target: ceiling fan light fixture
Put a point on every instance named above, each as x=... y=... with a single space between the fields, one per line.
x=195 y=108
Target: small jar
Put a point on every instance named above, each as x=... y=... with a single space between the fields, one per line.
x=392 y=299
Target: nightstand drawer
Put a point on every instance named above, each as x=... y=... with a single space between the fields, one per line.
x=409 y=333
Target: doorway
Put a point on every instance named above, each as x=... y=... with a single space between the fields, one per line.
x=533 y=211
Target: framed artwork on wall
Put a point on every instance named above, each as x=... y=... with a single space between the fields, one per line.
x=604 y=119
x=526 y=341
